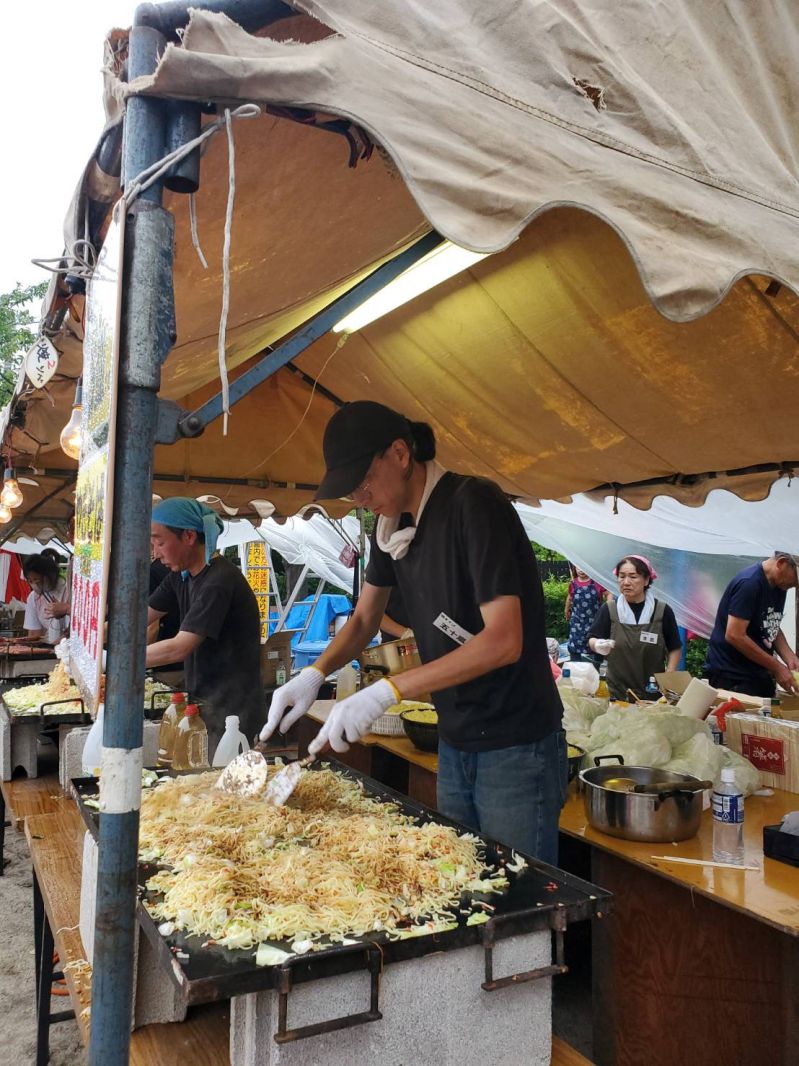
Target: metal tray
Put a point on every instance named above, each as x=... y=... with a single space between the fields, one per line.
x=539 y=897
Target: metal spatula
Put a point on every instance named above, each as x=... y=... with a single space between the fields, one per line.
x=246 y=776
x=285 y=781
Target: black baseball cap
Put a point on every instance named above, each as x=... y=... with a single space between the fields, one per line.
x=355 y=434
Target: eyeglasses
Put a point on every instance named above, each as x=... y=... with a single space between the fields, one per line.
x=362 y=490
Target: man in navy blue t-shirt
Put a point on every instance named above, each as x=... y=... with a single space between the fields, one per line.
x=748 y=651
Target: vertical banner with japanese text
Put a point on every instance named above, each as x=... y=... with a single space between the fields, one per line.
x=95 y=485
x=258 y=578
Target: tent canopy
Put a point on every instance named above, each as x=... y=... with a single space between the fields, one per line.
x=602 y=139
x=696 y=552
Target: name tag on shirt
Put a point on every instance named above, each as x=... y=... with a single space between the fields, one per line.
x=452 y=629
x=648 y=638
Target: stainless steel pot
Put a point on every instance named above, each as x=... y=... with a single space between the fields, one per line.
x=391 y=658
x=669 y=808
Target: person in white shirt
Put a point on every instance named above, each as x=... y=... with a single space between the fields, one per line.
x=47 y=589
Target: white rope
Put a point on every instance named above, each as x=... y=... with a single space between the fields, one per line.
x=152 y=173
x=81 y=258
x=195 y=240
x=231 y=193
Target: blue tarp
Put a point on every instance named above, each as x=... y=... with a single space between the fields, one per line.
x=330 y=606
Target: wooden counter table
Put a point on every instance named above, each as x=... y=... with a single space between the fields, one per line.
x=696 y=966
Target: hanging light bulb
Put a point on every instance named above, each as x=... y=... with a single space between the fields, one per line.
x=11 y=495
x=5 y=514
x=70 y=434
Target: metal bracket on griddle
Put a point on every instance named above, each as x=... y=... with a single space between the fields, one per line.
x=556 y=922
x=374 y=962
x=84 y=714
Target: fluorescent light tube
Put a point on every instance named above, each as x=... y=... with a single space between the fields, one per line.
x=442 y=263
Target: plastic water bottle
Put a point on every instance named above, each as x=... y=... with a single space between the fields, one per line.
x=728 y=820
x=346 y=682
x=652 y=691
x=233 y=743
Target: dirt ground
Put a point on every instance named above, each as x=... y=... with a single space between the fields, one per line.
x=17 y=978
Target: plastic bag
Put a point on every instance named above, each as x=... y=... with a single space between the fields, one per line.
x=678 y=728
x=584 y=677
x=698 y=757
x=640 y=744
x=747 y=776
x=579 y=712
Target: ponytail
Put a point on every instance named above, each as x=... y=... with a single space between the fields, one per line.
x=422 y=442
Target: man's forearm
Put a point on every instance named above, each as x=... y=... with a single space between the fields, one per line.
x=783 y=648
x=746 y=646
x=347 y=644
x=164 y=652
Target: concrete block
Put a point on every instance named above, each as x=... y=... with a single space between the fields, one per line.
x=24 y=746
x=434 y=1014
x=70 y=759
x=156 y=998
x=70 y=755
x=5 y=743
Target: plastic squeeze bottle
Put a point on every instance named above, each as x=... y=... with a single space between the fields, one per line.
x=191 y=742
x=728 y=820
x=93 y=748
x=233 y=743
x=169 y=724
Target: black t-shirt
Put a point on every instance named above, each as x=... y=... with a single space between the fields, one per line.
x=747 y=596
x=223 y=674
x=170 y=623
x=470 y=547
x=600 y=627
x=395 y=609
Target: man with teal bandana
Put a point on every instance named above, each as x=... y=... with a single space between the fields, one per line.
x=219 y=639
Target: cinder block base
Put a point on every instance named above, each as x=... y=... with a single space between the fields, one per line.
x=5 y=744
x=156 y=998
x=18 y=741
x=434 y=1014
x=70 y=758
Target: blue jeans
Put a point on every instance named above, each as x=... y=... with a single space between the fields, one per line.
x=512 y=795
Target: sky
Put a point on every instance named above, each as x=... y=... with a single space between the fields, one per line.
x=51 y=56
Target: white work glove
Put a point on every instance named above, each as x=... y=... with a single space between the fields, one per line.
x=604 y=647
x=291 y=701
x=353 y=717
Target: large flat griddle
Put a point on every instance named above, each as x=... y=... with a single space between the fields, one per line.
x=539 y=897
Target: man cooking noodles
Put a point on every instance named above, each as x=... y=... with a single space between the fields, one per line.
x=457 y=551
x=219 y=638
x=748 y=651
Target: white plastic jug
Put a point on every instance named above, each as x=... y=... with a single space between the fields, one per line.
x=93 y=748
x=233 y=743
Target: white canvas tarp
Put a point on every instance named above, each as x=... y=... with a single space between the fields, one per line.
x=696 y=551
x=674 y=122
x=314 y=542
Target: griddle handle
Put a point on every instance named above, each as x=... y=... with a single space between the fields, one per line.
x=374 y=963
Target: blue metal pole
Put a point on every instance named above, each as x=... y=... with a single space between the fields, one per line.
x=147 y=332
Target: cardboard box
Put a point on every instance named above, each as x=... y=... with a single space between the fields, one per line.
x=770 y=744
x=276 y=655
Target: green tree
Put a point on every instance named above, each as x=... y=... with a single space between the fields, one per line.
x=16 y=334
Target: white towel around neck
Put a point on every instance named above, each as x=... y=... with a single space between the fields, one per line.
x=625 y=611
x=396 y=541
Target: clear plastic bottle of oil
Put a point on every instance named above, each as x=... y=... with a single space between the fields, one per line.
x=191 y=742
x=603 y=692
x=169 y=726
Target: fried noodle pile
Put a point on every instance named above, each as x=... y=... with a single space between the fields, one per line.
x=331 y=863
